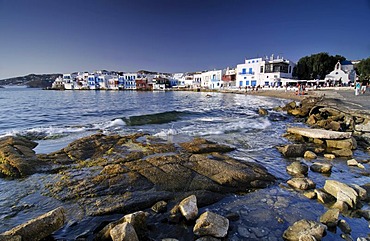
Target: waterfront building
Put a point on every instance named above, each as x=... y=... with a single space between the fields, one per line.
x=211 y=79
x=92 y=81
x=69 y=81
x=197 y=80
x=229 y=78
x=112 y=82
x=268 y=71
x=343 y=73
x=58 y=83
x=127 y=81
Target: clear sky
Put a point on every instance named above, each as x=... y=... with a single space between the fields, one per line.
x=58 y=36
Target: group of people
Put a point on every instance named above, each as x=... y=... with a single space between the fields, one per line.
x=360 y=87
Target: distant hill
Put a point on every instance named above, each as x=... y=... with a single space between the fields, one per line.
x=32 y=80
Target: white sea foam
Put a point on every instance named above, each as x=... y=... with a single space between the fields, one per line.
x=116 y=122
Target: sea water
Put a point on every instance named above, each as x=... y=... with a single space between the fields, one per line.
x=55 y=118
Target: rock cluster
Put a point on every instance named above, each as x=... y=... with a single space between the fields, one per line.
x=208 y=225
x=332 y=136
x=123 y=174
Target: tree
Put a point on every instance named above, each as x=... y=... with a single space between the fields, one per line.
x=316 y=66
x=363 y=69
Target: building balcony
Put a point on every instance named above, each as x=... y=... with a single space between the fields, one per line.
x=246 y=73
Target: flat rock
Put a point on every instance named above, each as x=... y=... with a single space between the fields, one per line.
x=342 y=192
x=319 y=133
x=330 y=218
x=297 y=169
x=301 y=183
x=40 y=227
x=321 y=167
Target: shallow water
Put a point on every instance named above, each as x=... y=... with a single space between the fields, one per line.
x=56 y=118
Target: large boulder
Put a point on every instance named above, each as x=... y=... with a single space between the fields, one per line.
x=342 y=192
x=17 y=158
x=304 y=228
x=127 y=176
x=40 y=227
x=211 y=224
x=342 y=144
x=330 y=218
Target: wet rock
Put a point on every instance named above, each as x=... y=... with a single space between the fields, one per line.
x=310 y=155
x=330 y=218
x=159 y=207
x=301 y=183
x=40 y=227
x=304 y=227
x=124 y=232
x=364 y=213
x=340 y=205
x=188 y=207
x=17 y=159
x=321 y=167
x=329 y=156
x=319 y=133
x=200 y=145
x=137 y=220
x=324 y=197
x=297 y=169
x=310 y=194
x=362 y=192
x=352 y=162
x=211 y=224
x=293 y=150
x=342 y=192
x=10 y=238
x=341 y=144
x=363 y=127
x=342 y=152
x=262 y=111
x=344 y=226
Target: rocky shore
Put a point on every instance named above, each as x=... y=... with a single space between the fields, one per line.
x=156 y=185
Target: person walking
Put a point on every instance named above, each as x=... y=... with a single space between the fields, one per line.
x=365 y=83
x=357 y=88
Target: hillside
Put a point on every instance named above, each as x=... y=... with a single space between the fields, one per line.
x=31 y=80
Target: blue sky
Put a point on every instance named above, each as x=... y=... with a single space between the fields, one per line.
x=58 y=36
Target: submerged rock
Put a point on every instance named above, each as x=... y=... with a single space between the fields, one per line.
x=297 y=169
x=293 y=150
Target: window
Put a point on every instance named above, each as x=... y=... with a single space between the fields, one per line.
x=261 y=69
x=247 y=83
x=290 y=69
x=267 y=76
x=240 y=83
x=266 y=83
x=254 y=82
x=245 y=77
x=252 y=61
x=244 y=71
x=250 y=71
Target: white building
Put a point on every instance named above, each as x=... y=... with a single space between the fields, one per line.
x=69 y=81
x=264 y=72
x=343 y=73
x=197 y=80
x=212 y=79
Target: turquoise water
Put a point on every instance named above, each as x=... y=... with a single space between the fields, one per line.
x=55 y=118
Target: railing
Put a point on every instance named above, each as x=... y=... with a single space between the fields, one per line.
x=246 y=73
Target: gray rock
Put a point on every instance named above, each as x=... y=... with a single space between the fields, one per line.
x=364 y=127
x=310 y=155
x=304 y=227
x=344 y=226
x=319 y=133
x=321 y=167
x=341 y=144
x=301 y=183
x=40 y=227
x=364 y=213
x=293 y=150
x=330 y=218
x=362 y=193
x=324 y=197
x=124 y=232
x=341 y=192
x=342 y=152
x=188 y=207
x=159 y=207
x=297 y=169
x=211 y=224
